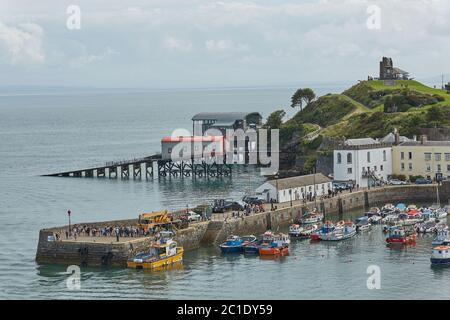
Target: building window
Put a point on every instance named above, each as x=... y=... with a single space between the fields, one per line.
x=349 y=158
x=410 y=167
x=437 y=156
x=375 y=168
x=428 y=167
x=402 y=155
x=409 y=155
x=427 y=156
x=447 y=157
x=381 y=168
x=349 y=170
x=384 y=155
x=339 y=158
x=438 y=168
x=448 y=167
x=368 y=156
x=402 y=166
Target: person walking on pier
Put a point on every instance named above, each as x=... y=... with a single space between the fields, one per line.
x=117 y=233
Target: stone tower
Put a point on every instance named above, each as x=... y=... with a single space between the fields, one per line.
x=386 y=69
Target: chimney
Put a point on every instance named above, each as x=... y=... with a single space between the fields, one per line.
x=397 y=136
x=423 y=139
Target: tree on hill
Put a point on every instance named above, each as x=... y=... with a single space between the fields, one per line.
x=275 y=119
x=302 y=96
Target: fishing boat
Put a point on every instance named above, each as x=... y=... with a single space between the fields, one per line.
x=400 y=235
x=253 y=247
x=235 y=244
x=374 y=215
x=307 y=231
x=442 y=237
x=294 y=230
x=327 y=227
x=278 y=246
x=440 y=255
x=162 y=253
x=311 y=217
x=363 y=225
x=342 y=231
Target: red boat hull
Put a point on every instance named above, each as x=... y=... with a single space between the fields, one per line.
x=274 y=251
x=403 y=240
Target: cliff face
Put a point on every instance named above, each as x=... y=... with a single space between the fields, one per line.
x=367 y=109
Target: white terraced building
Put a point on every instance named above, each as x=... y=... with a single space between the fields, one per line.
x=362 y=162
x=294 y=188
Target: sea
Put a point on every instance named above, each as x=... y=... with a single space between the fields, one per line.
x=51 y=130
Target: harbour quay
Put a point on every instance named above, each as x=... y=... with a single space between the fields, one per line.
x=107 y=251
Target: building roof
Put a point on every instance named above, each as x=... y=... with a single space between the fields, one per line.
x=360 y=142
x=390 y=138
x=426 y=144
x=299 y=181
x=225 y=117
x=398 y=70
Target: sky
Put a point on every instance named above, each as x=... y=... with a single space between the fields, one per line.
x=194 y=43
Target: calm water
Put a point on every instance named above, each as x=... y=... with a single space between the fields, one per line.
x=47 y=133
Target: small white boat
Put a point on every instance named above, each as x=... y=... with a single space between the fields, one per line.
x=363 y=225
x=426 y=227
x=440 y=214
x=440 y=255
x=312 y=217
x=442 y=237
x=375 y=219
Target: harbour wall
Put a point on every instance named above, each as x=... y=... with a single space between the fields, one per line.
x=214 y=232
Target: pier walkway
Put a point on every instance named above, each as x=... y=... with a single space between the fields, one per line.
x=153 y=166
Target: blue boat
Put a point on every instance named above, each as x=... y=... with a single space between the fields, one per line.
x=235 y=244
x=400 y=207
x=252 y=248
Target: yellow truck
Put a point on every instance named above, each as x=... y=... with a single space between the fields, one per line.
x=152 y=219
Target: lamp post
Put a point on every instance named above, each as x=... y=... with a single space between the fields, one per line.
x=315 y=193
x=68 y=214
x=276 y=184
x=290 y=194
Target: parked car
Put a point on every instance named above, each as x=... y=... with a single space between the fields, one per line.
x=340 y=186
x=423 y=181
x=252 y=200
x=193 y=216
x=396 y=182
x=222 y=205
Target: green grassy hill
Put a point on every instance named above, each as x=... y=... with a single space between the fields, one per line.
x=367 y=109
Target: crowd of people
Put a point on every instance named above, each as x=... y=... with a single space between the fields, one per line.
x=105 y=231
